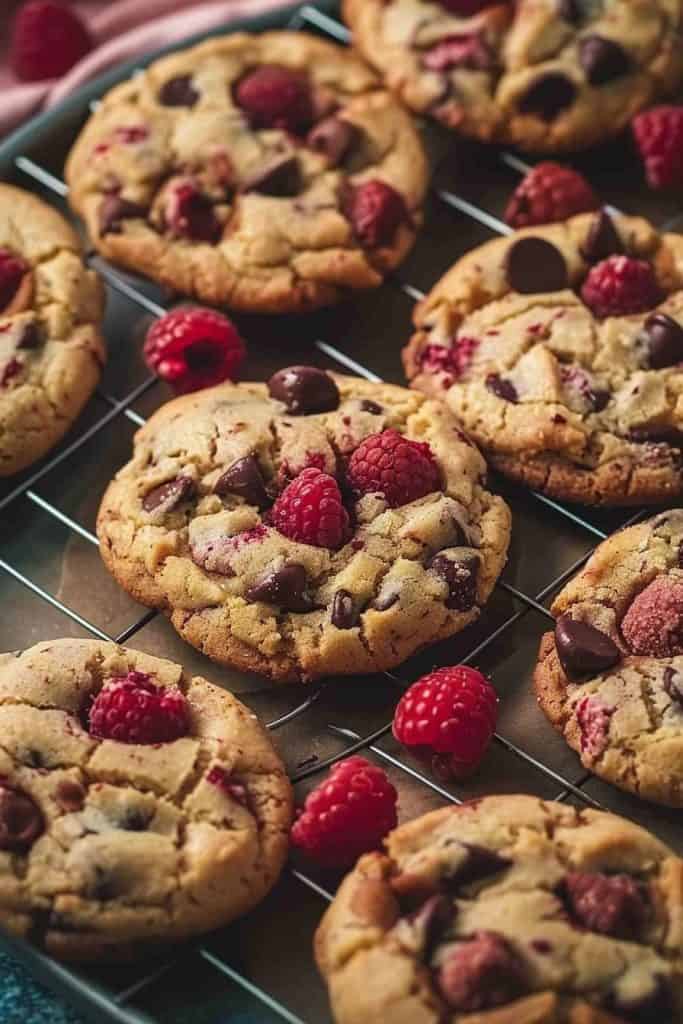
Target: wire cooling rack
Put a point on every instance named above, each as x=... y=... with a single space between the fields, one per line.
x=53 y=584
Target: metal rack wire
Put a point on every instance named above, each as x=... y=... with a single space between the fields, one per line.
x=118 y=1004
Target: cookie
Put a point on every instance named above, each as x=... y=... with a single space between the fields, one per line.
x=509 y=910
x=317 y=525
x=268 y=173
x=138 y=806
x=559 y=349
x=610 y=678
x=51 y=349
x=545 y=75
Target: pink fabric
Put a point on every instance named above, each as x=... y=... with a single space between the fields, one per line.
x=122 y=29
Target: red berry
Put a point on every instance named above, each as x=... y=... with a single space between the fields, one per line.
x=12 y=269
x=346 y=815
x=310 y=510
x=466 y=8
x=448 y=717
x=375 y=210
x=453 y=359
x=47 y=40
x=620 y=286
x=192 y=348
x=132 y=709
x=390 y=464
x=659 y=137
x=190 y=214
x=275 y=97
x=549 y=192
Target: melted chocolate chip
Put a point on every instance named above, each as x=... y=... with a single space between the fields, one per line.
x=21 y=821
x=569 y=10
x=602 y=59
x=548 y=96
x=244 y=478
x=169 y=495
x=70 y=796
x=30 y=336
x=367 y=405
x=333 y=137
x=582 y=649
x=134 y=820
x=480 y=863
x=461 y=577
x=663 y=339
x=278 y=177
x=284 y=587
x=304 y=389
x=178 y=92
x=344 y=614
x=430 y=921
x=673 y=684
x=598 y=399
x=534 y=265
x=501 y=387
x=602 y=240
x=114 y=210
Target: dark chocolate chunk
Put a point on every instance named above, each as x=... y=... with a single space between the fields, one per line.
x=304 y=389
x=602 y=59
x=244 y=478
x=569 y=10
x=480 y=863
x=114 y=210
x=178 y=92
x=602 y=240
x=663 y=339
x=284 y=587
x=461 y=576
x=534 y=265
x=430 y=921
x=21 y=820
x=673 y=684
x=501 y=387
x=333 y=137
x=169 y=495
x=30 y=336
x=548 y=96
x=367 y=405
x=344 y=614
x=598 y=399
x=582 y=649
x=280 y=176
x=134 y=820
x=70 y=796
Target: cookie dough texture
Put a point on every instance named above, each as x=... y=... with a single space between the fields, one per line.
x=626 y=722
x=51 y=349
x=197 y=561
x=541 y=74
x=274 y=253
x=588 y=418
x=379 y=965
x=138 y=847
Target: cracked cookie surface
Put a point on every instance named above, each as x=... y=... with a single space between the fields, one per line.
x=51 y=349
x=187 y=527
x=545 y=75
x=237 y=172
x=109 y=849
x=583 y=406
x=508 y=910
x=610 y=678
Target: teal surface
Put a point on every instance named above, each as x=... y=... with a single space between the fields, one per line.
x=22 y=1001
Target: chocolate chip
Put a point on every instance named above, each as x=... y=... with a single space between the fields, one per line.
x=663 y=338
x=430 y=922
x=333 y=138
x=598 y=399
x=461 y=576
x=602 y=59
x=284 y=587
x=244 y=478
x=304 y=389
x=114 y=210
x=569 y=10
x=367 y=405
x=178 y=92
x=134 y=820
x=30 y=336
x=534 y=265
x=21 y=821
x=673 y=684
x=344 y=614
x=70 y=796
x=582 y=649
x=541 y=946
x=480 y=863
x=602 y=240
x=169 y=495
x=548 y=96
x=501 y=387
x=280 y=176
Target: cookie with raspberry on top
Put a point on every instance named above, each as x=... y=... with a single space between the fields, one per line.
x=314 y=525
x=268 y=173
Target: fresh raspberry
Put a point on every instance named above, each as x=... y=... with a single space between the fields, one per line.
x=375 y=210
x=608 y=904
x=453 y=359
x=132 y=709
x=549 y=192
x=192 y=348
x=310 y=510
x=12 y=269
x=620 y=286
x=190 y=214
x=481 y=972
x=659 y=138
x=390 y=464
x=47 y=40
x=275 y=97
x=466 y=8
x=448 y=718
x=346 y=815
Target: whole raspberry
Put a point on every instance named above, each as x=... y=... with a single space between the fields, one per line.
x=390 y=464
x=346 y=815
x=275 y=97
x=653 y=624
x=193 y=348
x=12 y=269
x=659 y=137
x=548 y=193
x=47 y=40
x=132 y=709
x=375 y=210
x=310 y=510
x=620 y=286
x=448 y=718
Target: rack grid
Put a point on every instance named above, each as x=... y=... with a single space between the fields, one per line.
x=126 y=995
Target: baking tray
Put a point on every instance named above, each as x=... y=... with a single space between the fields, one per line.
x=52 y=582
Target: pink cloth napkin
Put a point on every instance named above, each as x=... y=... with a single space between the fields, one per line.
x=121 y=29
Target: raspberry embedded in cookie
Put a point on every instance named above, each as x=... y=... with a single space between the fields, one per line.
x=21 y=820
x=621 y=286
x=653 y=624
x=310 y=511
x=460 y=51
x=549 y=192
x=609 y=904
x=593 y=718
x=12 y=270
x=480 y=973
x=188 y=213
x=228 y=784
x=133 y=709
x=276 y=97
x=376 y=211
x=452 y=359
x=192 y=348
x=392 y=465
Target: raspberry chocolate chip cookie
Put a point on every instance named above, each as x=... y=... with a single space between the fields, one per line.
x=138 y=806
x=51 y=349
x=541 y=74
x=269 y=173
x=316 y=525
x=560 y=349
x=509 y=910
x=610 y=678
